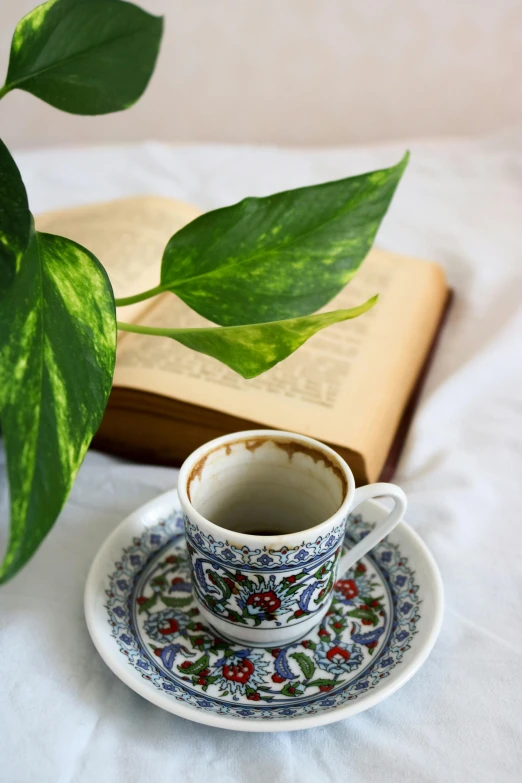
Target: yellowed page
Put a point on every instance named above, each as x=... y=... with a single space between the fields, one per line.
x=347 y=385
x=127 y=235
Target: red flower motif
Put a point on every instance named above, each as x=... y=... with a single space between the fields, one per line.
x=239 y=672
x=167 y=627
x=298 y=613
x=336 y=651
x=172 y=559
x=290 y=579
x=158 y=651
x=323 y=632
x=186 y=664
x=229 y=582
x=268 y=602
x=275 y=652
x=177 y=580
x=141 y=600
x=277 y=678
x=367 y=622
x=254 y=696
x=371 y=645
x=305 y=643
x=348 y=588
x=360 y=569
x=240 y=577
x=325 y=688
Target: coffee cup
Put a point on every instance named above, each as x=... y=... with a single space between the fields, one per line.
x=265 y=515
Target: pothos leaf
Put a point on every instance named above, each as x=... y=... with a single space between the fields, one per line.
x=57 y=352
x=85 y=56
x=253 y=349
x=15 y=220
x=278 y=257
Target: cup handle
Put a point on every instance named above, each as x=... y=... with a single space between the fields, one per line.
x=381 y=529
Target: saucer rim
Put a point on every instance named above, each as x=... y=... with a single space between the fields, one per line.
x=147 y=515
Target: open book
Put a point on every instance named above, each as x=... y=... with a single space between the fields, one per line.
x=349 y=385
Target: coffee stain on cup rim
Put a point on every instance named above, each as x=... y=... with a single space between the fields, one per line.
x=287 y=445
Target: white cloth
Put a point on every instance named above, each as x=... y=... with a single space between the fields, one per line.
x=66 y=717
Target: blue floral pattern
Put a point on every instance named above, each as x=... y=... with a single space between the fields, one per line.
x=226 y=554
x=156 y=624
x=339 y=658
x=262 y=585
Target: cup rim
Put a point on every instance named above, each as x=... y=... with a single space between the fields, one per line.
x=297 y=536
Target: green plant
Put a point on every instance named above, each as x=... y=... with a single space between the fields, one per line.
x=258 y=269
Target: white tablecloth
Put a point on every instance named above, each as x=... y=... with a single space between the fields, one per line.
x=66 y=717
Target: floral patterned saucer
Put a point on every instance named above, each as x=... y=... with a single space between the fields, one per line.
x=383 y=621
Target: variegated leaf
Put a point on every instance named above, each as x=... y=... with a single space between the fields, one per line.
x=15 y=220
x=278 y=257
x=85 y=56
x=251 y=350
x=57 y=351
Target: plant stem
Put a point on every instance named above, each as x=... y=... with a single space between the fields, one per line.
x=145 y=329
x=3 y=91
x=128 y=300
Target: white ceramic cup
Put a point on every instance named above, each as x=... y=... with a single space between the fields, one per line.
x=265 y=516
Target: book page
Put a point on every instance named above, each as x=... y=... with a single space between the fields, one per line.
x=347 y=385
x=128 y=236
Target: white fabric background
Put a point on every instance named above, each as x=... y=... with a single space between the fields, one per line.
x=66 y=717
